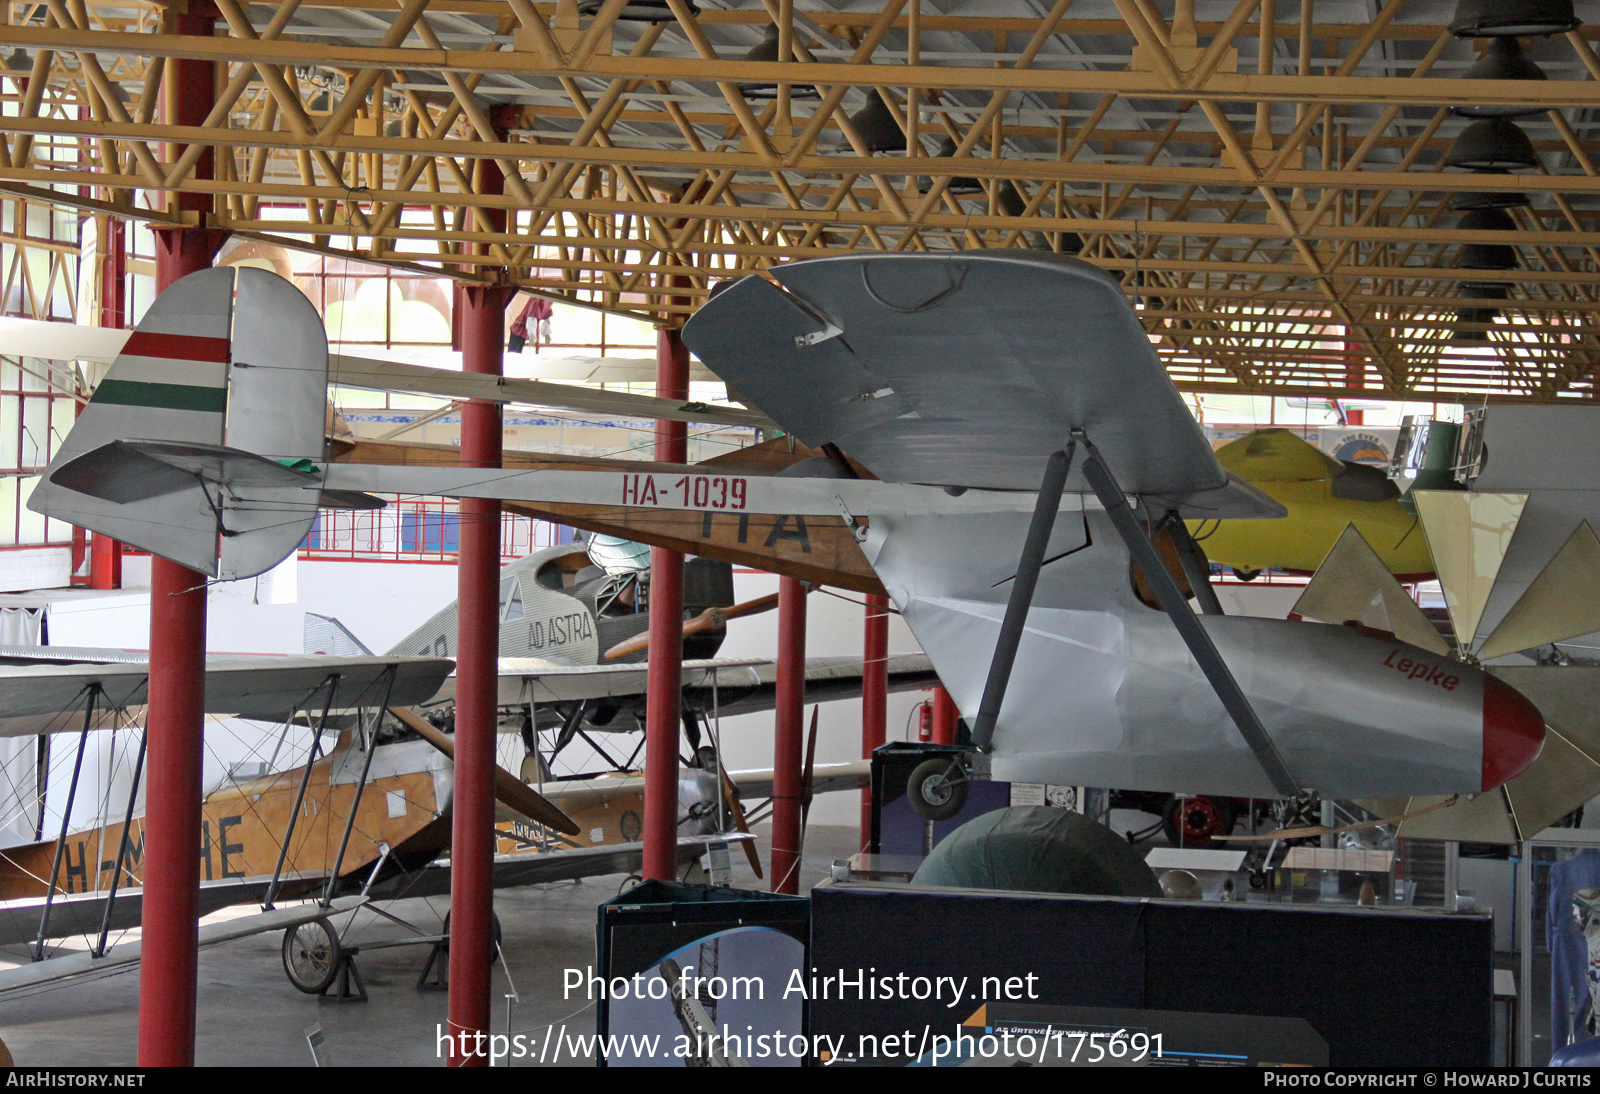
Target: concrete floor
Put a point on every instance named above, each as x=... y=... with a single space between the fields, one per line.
x=250 y=1015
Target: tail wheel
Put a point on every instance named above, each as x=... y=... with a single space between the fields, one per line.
x=311 y=955
x=1192 y=822
x=937 y=789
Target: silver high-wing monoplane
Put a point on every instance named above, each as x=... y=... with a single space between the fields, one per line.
x=1011 y=406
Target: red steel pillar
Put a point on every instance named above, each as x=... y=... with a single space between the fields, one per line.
x=874 y=695
x=173 y=768
x=481 y=313
x=944 y=717
x=105 y=553
x=788 y=736
x=664 y=686
x=479 y=319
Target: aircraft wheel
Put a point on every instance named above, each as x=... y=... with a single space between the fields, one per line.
x=1200 y=818
x=937 y=789
x=1246 y=575
x=494 y=935
x=311 y=955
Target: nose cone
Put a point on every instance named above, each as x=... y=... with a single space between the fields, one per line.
x=1513 y=733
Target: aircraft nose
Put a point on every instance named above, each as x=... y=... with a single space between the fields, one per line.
x=1513 y=732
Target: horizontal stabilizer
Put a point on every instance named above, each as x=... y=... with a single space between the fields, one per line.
x=349 y=499
x=196 y=444
x=130 y=471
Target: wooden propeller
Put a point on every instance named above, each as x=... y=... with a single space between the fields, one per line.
x=807 y=780
x=730 y=797
x=511 y=791
x=709 y=620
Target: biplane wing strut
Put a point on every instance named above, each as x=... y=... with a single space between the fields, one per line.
x=1172 y=601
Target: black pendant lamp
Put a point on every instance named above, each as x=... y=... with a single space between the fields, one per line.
x=1487 y=256
x=1503 y=60
x=1466 y=201
x=877 y=128
x=1010 y=199
x=767 y=50
x=1492 y=144
x=960 y=185
x=637 y=11
x=1485 y=316
x=1486 y=290
x=1512 y=18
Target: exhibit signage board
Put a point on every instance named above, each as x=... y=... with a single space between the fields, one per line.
x=900 y=974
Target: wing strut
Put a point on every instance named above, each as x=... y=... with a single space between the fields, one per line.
x=1183 y=617
x=1021 y=599
x=332 y=684
x=99 y=948
x=92 y=693
x=370 y=740
x=1195 y=566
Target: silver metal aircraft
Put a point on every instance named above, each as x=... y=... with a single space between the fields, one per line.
x=1010 y=405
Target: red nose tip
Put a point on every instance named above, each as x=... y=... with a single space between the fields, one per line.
x=1513 y=733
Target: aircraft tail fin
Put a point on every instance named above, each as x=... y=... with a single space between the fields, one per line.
x=197 y=444
x=326 y=635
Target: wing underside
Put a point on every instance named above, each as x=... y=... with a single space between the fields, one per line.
x=966 y=370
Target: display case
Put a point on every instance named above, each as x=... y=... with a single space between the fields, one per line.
x=1557 y=900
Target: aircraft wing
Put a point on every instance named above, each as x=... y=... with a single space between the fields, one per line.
x=75 y=342
x=130 y=953
x=365 y=372
x=535 y=867
x=850 y=775
x=735 y=685
x=50 y=698
x=964 y=369
x=61 y=341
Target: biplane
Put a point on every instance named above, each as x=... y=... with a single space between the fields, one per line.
x=1012 y=449
x=367 y=820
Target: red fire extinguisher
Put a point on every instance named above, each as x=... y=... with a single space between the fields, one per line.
x=925 y=721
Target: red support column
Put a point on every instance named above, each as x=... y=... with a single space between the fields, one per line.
x=788 y=736
x=944 y=717
x=481 y=312
x=479 y=319
x=874 y=695
x=664 y=686
x=173 y=764
x=105 y=553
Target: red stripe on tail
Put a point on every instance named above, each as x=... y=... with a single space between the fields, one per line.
x=177 y=347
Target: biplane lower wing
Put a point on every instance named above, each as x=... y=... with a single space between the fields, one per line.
x=511 y=871
x=733 y=685
x=55 y=969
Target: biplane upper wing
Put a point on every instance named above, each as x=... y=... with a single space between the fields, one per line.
x=966 y=370
x=40 y=698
